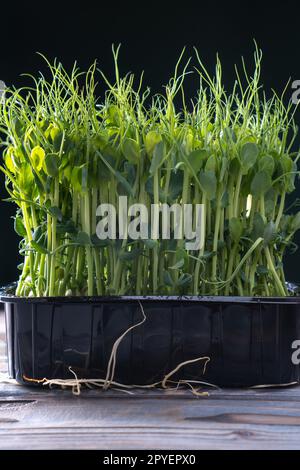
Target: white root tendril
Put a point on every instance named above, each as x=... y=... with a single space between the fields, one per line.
x=104 y=384
x=166 y=378
x=112 y=360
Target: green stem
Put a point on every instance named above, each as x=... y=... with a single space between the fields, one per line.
x=88 y=249
x=215 y=240
x=232 y=257
x=98 y=271
x=55 y=202
x=201 y=253
x=29 y=238
x=262 y=207
x=237 y=194
x=281 y=288
x=155 y=229
x=243 y=260
x=280 y=210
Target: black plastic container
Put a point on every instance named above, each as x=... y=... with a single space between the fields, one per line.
x=249 y=340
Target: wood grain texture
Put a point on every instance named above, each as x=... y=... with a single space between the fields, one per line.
x=33 y=418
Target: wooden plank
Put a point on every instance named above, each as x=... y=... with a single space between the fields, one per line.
x=58 y=422
x=286 y=397
x=34 y=418
x=162 y=438
x=206 y=436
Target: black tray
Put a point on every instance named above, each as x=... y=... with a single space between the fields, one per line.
x=249 y=340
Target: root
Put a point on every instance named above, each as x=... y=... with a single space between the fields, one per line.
x=76 y=384
x=104 y=384
x=112 y=360
x=206 y=359
x=289 y=384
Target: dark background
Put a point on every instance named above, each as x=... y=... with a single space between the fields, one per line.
x=152 y=36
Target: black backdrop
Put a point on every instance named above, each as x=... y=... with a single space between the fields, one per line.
x=152 y=35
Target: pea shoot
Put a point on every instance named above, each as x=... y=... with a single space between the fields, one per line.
x=65 y=152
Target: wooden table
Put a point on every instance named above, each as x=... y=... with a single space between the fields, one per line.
x=227 y=419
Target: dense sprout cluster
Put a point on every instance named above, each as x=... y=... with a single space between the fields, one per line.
x=64 y=153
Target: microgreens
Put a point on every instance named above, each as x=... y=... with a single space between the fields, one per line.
x=65 y=152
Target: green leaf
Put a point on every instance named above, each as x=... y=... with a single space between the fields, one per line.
x=39 y=247
x=124 y=183
x=114 y=115
x=225 y=199
x=151 y=140
x=168 y=279
x=57 y=141
x=211 y=164
x=9 y=161
x=235 y=229
x=54 y=131
x=262 y=270
x=267 y=164
x=67 y=226
x=37 y=234
x=149 y=186
x=56 y=212
x=83 y=238
x=181 y=253
x=269 y=233
x=125 y=255
x=131 y=150
x=75 y=177
x=51 y=166
x=178 y=265
x=19 y=127
x=19 y=227
x=159 y=154
x=47 y=203
x=149 y=243
x=130 y=173
x=208 y=254
x=39 y=184
x=234 y=167
x=26 y=178
x=37 y=157
x=258 y=227
x=175 y=186
x=248 y=155
x=105 y=168
x=270 y=202
x=287 y=164
x=196 y=159
x=184 y=280
x=99 y=243
x=289 y=168
x=260 y=184
x=111 y=153
x=295 y=225
x=285 y=222
x=208 y=183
